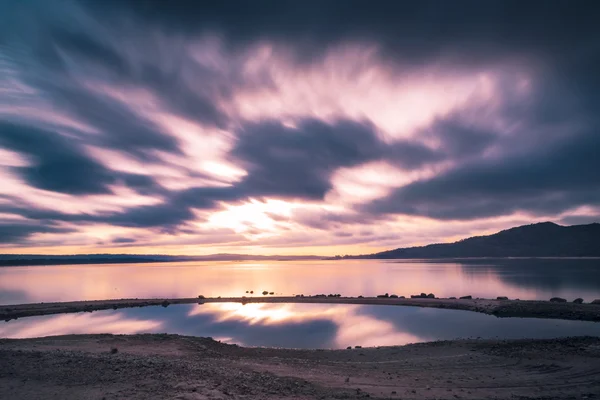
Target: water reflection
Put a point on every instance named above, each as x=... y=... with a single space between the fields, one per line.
x=525 y=279
x=299 y=325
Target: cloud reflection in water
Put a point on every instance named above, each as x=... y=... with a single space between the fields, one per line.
x=300 y=325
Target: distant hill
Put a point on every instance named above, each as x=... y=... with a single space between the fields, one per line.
x=545 y=239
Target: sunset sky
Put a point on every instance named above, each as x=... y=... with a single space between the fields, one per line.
x=293 y=127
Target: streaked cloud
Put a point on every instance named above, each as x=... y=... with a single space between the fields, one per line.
x=302 y=127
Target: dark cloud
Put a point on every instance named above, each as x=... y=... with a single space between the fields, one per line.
x=327 y=220
x=547 y=181
x=298 y=161
x=459 y=139
x=183 y=85
x=465 y=30
x=121 y=240
x=58 y=164
x=343 y=234
x=121 y=128
x=17 y=232
x=176 y=209
x=70 y=64
x=143 y=184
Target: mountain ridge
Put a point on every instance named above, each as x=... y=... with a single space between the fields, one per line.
x=544 y=239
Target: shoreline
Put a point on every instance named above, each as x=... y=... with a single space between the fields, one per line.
x=49 y=262
x=119 y=367
x=498 y=308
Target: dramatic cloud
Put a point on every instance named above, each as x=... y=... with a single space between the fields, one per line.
x=285 y=126
x=546 y=182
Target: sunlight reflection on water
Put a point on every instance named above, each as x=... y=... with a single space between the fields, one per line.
x=525 y=279
x=299 y=325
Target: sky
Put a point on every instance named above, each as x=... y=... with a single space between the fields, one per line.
x=293 y=127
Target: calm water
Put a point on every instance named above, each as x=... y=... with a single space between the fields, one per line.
x=302 y=325
x=524 y=279
x=299 y=325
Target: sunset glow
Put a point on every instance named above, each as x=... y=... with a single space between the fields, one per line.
x=201 y=136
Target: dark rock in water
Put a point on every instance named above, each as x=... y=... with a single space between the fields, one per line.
x=558 y=300
x=597 y=301
x=358 y=347
x=466 y=297
x=165 y=304
x=361 y=297
x=501 y=298
x=452 y=298
x=578 y=300
x=265 y=293
x=349 y=347
x=393 y=296
x=423 y=295
x=431 y=296
x=271 y=293
x=401 y=297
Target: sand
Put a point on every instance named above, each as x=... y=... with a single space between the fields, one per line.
x=499 y=308
x=177 y=367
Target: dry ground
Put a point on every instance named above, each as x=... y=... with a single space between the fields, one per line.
x=178 y=367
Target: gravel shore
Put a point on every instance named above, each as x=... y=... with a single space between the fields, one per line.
x=177 y=367
x=499 y=308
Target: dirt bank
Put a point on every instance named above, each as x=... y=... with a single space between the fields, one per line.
x=176 y=367
x=500 y=308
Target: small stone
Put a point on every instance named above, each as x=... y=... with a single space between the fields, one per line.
x=558 y=300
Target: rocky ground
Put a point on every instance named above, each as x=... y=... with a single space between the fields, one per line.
x=176 y=367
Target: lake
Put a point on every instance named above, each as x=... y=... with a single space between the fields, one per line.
x=303 y=325
x=489 y=278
